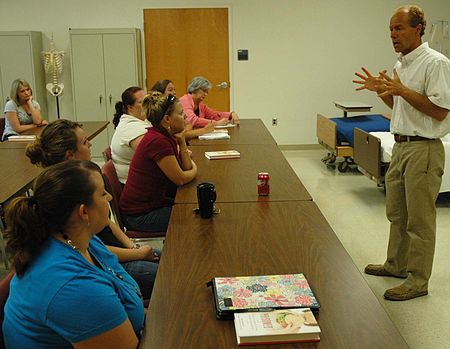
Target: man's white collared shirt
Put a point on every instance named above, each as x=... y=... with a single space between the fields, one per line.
x=427 y=72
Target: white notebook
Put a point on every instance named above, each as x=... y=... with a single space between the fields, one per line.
x=225 y=126
x=214 y=136
x=22 y=138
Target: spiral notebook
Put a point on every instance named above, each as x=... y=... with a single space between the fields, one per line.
x=260 y=293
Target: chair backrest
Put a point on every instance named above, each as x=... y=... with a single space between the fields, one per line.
x=2 y=127
x=4 y=294
x=107 y=154
x=113 y=186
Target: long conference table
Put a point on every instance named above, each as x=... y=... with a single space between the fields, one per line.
x=282 y=233
x=17 y=173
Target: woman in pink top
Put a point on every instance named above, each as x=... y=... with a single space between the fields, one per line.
x=198 y=113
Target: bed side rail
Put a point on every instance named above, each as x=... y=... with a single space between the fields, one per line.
x=326 y=132
x=367 y=153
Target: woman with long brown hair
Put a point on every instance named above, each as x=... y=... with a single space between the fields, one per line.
x=69 y=290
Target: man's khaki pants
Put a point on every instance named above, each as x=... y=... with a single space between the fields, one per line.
x=412 y=185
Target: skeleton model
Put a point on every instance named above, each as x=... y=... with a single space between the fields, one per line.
x=53 y=64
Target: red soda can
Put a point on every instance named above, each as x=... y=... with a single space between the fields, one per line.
x=263 y=184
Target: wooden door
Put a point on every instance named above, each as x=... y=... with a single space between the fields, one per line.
x=183 y=43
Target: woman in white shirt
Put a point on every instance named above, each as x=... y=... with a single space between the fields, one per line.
x=131 y=126
x=22 y=112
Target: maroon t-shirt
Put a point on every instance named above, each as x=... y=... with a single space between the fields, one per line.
x=146 y=186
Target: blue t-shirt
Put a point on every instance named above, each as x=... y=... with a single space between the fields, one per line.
x=63 y=299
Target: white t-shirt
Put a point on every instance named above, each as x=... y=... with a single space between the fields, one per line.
x=22 y=116
x=427 y=72
x=129 y=128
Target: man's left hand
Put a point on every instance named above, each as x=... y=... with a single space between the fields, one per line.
x=393 y=86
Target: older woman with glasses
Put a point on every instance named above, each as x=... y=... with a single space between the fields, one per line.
x=198 y=113
x=168 y=88
x=160 y=163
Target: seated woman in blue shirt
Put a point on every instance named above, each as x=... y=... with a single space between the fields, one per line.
x=66 y=140
x=69 y=290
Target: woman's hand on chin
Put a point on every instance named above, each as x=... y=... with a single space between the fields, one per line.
x=180 y=137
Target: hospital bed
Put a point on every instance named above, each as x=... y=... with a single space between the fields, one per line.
x=336 y=135
x=372 y=153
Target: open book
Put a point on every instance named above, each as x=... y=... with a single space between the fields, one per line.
x=22 y=138
x=277 y=326
x=224 y=154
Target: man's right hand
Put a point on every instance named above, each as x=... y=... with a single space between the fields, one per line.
x=370 y=82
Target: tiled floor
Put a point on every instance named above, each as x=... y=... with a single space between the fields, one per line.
x=355 y=209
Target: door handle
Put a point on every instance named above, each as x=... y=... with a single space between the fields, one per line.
x=100 y=98
x=223 y=85
x=110 y=98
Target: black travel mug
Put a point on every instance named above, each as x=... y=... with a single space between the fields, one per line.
x=206 y=196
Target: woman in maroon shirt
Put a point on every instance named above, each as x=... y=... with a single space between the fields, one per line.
x=160 y=162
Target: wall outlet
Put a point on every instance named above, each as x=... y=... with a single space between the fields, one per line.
x=274 y=122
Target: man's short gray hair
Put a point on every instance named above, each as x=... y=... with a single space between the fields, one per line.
x=199 y=83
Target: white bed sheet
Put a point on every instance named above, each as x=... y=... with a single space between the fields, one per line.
x=387 y=143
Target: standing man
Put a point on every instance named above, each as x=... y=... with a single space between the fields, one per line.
x=419 y=95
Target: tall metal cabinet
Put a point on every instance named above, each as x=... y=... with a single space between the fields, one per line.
x=20 y=58
x=104 y=63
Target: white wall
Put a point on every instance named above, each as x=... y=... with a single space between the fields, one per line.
x=302 y=53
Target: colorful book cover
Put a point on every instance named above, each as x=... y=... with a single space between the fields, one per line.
x=244 y=293
x=277 y=326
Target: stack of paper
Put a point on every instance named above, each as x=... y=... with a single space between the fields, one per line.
x=214 y=136
x=224 y=154
x=225 y=126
